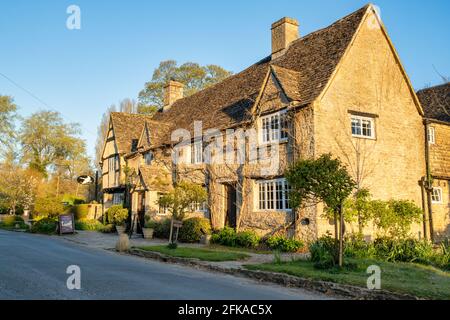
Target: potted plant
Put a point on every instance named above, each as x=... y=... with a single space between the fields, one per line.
x=117 y=215
x=148 y=228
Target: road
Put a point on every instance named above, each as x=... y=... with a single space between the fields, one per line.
x=34 y=267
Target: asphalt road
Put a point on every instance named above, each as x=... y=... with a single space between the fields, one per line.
x=34 y=267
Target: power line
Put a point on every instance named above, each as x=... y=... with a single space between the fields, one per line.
x=37 y=98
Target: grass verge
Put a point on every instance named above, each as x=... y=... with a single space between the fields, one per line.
x=418 y=280
x=201 y=254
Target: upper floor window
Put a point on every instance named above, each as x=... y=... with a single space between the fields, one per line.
x=148 y=158
x=274 y=127
x=436 y=195
x=363 y=127
x=197 y=152
x=273 y=194
x=431 y=135
x=134 y=144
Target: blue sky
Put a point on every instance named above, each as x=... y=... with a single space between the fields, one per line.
x=81 y=72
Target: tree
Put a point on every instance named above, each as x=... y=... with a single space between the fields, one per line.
x=359 y=208
x=46 y=140
x=322 y=180
x=181 y=198
x=194 y=77
x=17 y=188
x=7 y=117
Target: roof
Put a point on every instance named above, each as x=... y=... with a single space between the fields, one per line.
x=153 y=134
x=155 y=178
x=303 y=72
x=127 y=127
x=436 y=102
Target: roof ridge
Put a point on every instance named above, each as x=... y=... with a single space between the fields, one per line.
x=434 y=87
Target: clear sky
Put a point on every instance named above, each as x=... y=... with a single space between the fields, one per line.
x=81 y=72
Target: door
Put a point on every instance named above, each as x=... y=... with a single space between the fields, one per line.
x=230 y=206
x=140 y=211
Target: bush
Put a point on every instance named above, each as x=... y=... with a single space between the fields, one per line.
x=323 y=252
x=13 y=221
x=45 y=225
x=80 y=211
x=247 y=239
x=283 y=244
x=193 y=229
x=403 y=250
x=225 y=237
x=117 y=215
x=161 y=228
x=88 y=225
x=48 y=207
x=356 y=247
x=109 y=228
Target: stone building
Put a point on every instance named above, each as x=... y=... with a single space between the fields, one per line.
x=339 y=90
x=436 y=105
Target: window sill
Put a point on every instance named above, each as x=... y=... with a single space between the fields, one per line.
x=273 y=211
x=364 y=137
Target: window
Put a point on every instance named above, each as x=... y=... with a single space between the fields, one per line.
x=431 y=135
x=117 y=198
x=436 y=196
x=113 y=175
x=274 y=127
x=363 y=127
x=199 y=207
x=273 y=195
x=197 y=152
x=148 y=158
x=162 y=210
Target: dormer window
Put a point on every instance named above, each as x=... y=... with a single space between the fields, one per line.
x=274 y=127
x=134 y=144
x=148 y=158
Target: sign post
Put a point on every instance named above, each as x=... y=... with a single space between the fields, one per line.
x=175 y=224
x=66 y=224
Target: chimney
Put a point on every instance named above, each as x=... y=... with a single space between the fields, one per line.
x=284 y=31
x=173 y=91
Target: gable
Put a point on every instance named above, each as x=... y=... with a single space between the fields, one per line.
x=372 y=61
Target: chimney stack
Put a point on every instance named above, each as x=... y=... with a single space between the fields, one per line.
x=284 y=31
x=173 y=91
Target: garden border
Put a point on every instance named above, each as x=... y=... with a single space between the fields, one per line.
x=324 y=287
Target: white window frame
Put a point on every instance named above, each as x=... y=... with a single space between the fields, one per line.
x=361 y=120
x=164 y=209
x=436 y=195
x=197 y=152
x=431 y=135
x=267 y=194
x=117 y=198
x=267 y=133
x=199 y=207
x=148 y=158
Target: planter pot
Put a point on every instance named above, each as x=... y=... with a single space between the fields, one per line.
x=148 y=233
x=120 y=229
x=205 y=239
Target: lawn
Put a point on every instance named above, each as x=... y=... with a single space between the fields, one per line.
x=419 y=280
x=201 y=254
x=238 y=249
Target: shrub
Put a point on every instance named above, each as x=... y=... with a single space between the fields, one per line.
x=88 y=225
x=72 y=199
x=13 y=221
x=323 y=252
x=80 y=211
x=45 y=225
x=193 y=229
x=283 y=244
x=247 y=239
x=161 y=228
x=356 y=247
x=117 y=215
x=403 y=250
x=172 y=245
x=109 y=228
x=48 y=207
x=225 y=237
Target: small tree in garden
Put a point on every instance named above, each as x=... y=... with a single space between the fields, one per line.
x=322 y=180
x=181 y=198
x=117 y=215
x=395 y=217
x=359 y=208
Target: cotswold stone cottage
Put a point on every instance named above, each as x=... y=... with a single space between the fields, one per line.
x=436 y=105
x=339 y=90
